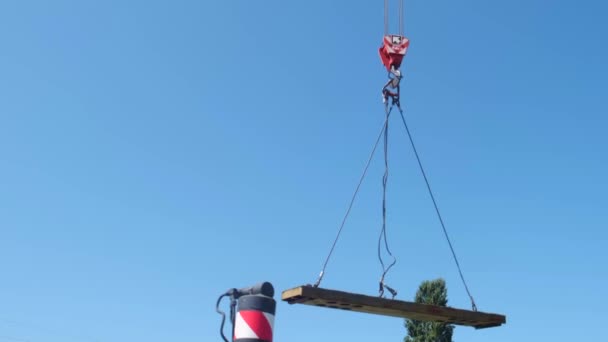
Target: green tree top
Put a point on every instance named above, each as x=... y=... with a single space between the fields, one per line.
x=432 y=292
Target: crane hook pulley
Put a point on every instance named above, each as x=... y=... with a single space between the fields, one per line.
x=393 y=50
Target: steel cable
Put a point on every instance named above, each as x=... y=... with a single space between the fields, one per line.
x=445 y=232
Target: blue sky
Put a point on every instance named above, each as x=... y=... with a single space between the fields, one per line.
x=155 y=153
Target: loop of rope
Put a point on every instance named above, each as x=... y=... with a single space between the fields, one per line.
x=382 y=236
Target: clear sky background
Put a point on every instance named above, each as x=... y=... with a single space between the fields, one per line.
x=155 y=153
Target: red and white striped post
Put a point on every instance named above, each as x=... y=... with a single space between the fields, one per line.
x=254 y=321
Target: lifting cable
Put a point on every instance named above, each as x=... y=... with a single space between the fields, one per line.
x=445 y=232
x=352 y=201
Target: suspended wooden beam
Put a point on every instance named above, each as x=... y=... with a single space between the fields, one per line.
x=310 y=295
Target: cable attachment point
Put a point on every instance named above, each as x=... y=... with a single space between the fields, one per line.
x=392 y=96
x=390 y=289
x=473 y=305
x=394 y=80
x=318 y=282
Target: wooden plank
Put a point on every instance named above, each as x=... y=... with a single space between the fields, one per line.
x=310 y=295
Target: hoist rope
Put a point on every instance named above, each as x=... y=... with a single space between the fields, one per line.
x=401 y=17
x=382 y=236
x=385 y=17
x=445 y=232
x=352 y=201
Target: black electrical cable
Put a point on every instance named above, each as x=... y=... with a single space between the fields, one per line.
x=445 y=232
x=217 y=309
x=352 y=201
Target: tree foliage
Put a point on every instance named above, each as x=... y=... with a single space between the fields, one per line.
x=432 y=292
